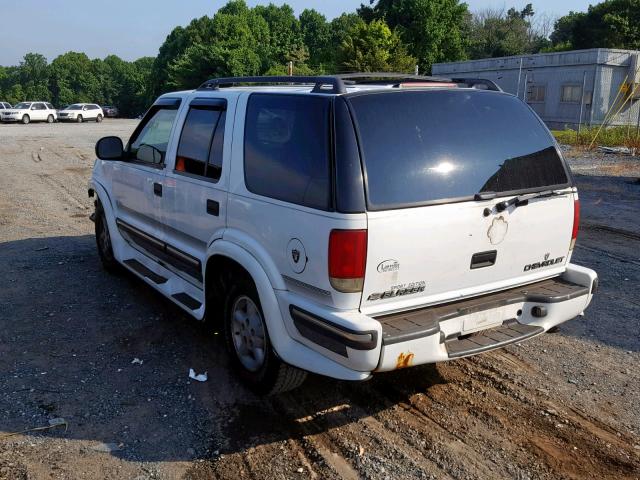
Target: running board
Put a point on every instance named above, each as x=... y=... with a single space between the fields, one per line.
x=135 y=265
x=507 y=333
x=187 y=300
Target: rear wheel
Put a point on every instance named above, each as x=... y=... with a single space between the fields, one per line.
x=99 y=118
x=50 y=119
x=248 y=344
x=25 y=119
x=103 y=241
x=79 y=119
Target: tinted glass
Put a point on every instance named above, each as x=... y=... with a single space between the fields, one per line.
x=196 y=143
x=50 y=107
x=426 y=146
x=22 y=106
x=286 y=148
x=153 y=134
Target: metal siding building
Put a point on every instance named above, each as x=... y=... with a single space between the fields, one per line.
x=552 y=83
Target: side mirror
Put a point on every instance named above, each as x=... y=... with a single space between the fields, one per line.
x=33 y=108
x=109 y=148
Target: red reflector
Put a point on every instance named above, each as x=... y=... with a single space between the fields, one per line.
x=347 y=254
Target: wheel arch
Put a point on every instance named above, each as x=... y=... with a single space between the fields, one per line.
x=288 y=349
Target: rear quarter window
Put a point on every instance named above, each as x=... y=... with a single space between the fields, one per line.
x=420 y=147
x=286 y=148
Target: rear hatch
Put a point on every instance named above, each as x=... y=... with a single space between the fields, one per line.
x=466 y=191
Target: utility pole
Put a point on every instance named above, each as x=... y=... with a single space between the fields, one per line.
x=519 y=78
x=584 y=84
x=416 y=71
x=290 y=68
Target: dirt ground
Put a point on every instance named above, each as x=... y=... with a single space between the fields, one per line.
x=564 y=405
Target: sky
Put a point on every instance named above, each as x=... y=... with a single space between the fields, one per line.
x=136 y=28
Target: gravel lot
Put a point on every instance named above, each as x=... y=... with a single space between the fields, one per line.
x=564 y=405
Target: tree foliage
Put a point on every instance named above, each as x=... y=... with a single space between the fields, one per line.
x=434 y=30
x=373 y=47
x=383 y=35
x=500 y=33
x=610 y=24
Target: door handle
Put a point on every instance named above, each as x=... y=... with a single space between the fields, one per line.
x=157 y=189
x=213 y=207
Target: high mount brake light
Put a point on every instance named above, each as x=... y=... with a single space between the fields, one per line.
x=576 y=224
x=347 y=259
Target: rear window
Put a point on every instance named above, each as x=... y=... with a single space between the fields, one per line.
x=423 y=147
x=286 y=148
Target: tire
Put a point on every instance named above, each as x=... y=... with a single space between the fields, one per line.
x=103 y=241
x=99 y=119
x=50 y=119
x=245 y=332
x=25 y=119
x=79 y=119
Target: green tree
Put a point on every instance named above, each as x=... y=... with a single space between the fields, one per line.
x=316 y=35
x=434 y=30
x=33 y=76
x=609 y=24
x=373 y=47
x=73 y=79
x=495 y=33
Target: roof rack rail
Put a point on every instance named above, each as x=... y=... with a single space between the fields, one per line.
x=373 y=77
x=336 y=84
x=478 y=82
x=320 y=82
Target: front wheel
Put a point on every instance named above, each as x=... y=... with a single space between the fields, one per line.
x=50 y=119
x=98 y=118
x=103 y=241
x=79 y=119
x=248 y=344
x=25 y=119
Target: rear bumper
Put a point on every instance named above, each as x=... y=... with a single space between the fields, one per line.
x=442 y=332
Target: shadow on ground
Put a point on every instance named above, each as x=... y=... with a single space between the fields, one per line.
x=71 y=332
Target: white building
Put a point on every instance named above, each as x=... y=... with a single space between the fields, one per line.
x=565 y=88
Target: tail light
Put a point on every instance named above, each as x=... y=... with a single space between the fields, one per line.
x=347 y=259
x=576 y=224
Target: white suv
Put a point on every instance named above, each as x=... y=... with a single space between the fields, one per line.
x=346 y=225
x=80 y=112
x=27 y=112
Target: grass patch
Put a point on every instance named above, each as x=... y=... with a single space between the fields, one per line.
x=609 y=137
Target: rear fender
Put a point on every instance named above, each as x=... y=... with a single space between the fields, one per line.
x=288 y=349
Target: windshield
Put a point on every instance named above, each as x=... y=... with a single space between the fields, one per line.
x=424 y=146
x=76 y=106
x=22 y=106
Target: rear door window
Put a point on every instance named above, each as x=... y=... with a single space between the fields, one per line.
x=421 y=147
x=200 y=147
x=286 y=148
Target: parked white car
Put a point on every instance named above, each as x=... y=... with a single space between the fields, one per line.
x=346 y=228
x=81 y=112
x=27 y=112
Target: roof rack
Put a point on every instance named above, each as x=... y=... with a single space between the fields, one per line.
x=320 y=82
x=336 y=84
